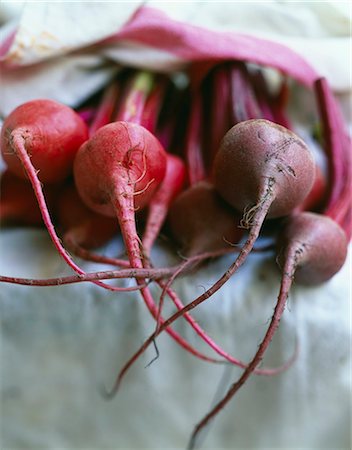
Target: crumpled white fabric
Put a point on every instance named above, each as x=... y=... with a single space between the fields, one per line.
x=59 y=345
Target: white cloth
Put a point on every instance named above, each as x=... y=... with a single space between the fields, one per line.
x=59 y=344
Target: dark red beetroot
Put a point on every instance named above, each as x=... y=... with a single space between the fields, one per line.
x=82 y=227
x=312 y=249
x=263 y=165
x=49 y=132
x=18 y=204
x=201 y=221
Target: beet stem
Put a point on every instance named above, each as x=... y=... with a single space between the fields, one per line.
x=90 y=276
x=106 y=108
x=134 y=104
x=287 y=278
x=194 y=155
x=257 y=222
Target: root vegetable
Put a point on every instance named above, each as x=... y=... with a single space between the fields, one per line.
x=201 y=221
x=18 y=204
x=116 y=172
x=82 y=227
x=49 y=132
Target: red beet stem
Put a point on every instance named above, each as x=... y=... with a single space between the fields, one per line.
x=194 y=153
x=87 y=255
x=153 y=104
x=106 y=107
x=239 y=111
x=246 y=249
x=212 y=344
x=287 y=277
x=219 y=109
x=159 y=206
x=91 y=276
x=18 y=146
x=263 y=96
x=137 y=91
x=337 y=147
x=333 y=129
x=87 y=114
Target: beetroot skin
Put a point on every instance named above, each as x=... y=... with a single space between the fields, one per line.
x=51 y=133
x=120 y=156
x=202 y=222
x=257 y=155
x=319 y=245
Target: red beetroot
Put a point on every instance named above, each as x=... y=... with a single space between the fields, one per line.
x=116 y=172
x=131 y=170
x=261 y=165
x=49 y=132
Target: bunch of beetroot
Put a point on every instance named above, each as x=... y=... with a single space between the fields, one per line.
x=206 y=166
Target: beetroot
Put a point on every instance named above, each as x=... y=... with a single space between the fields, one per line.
x=116 y=172
x=49 y=132
x=82 y=227
x=18 y=204
x=272 y=168
x=202 y=222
